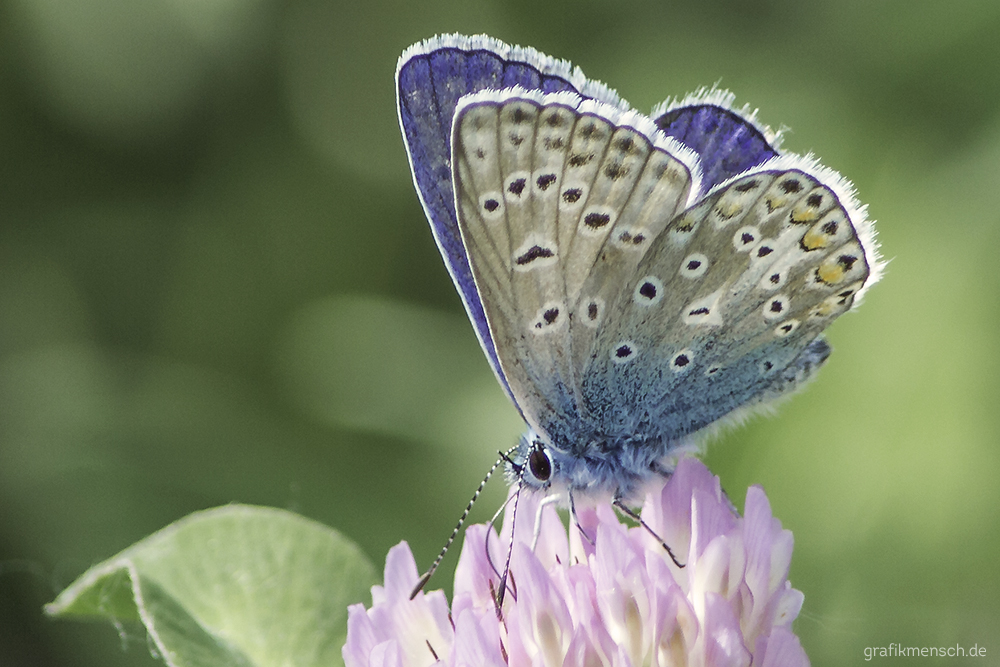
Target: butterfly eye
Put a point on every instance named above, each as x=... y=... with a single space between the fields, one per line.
x=539 y=464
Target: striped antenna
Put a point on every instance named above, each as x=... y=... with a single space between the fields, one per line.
x=504 y=456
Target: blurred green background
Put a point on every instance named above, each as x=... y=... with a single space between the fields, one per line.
x=217 y=284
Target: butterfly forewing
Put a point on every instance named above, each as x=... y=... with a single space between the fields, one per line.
x=513 y=252
x=557 y=203
x=431 y=77
x=723 y=308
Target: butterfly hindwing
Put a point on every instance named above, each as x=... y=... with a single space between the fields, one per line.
x=722 y=311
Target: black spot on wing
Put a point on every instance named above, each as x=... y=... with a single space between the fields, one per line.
x=544 y=181
x=533 y=253
x=615 y=171
x=791 y=186
x=596 y=220
x=572 y=195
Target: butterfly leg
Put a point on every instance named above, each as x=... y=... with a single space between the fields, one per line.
x=661 y=470
x=576 y=521
x=486 y=542
x=627 y=511
x=548 y=500
x=510 y=550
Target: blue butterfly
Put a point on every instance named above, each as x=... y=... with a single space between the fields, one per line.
x=633 y=279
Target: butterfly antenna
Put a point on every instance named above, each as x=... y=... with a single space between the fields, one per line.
x=624 y=509
x=461 y=521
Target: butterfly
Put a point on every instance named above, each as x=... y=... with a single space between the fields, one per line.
x=634 y=280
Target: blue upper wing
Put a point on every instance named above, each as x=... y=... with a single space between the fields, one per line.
x=727 y=140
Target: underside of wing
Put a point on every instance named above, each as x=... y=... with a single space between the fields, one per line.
x=559 y=198
x=727 y=307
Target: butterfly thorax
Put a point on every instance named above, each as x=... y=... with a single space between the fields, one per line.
x=595 y=465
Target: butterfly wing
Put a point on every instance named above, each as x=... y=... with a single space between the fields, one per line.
x=728 y=140
x=557 y=197
x=573 y=264
x=430 y=79
x=727 y=307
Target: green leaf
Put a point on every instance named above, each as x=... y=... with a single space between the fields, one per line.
x=236 y=585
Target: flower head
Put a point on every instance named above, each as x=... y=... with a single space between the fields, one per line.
x=611 y=597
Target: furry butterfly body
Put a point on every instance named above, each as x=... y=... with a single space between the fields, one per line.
x=633 y=280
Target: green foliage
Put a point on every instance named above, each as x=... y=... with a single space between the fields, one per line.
x=237 y=585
